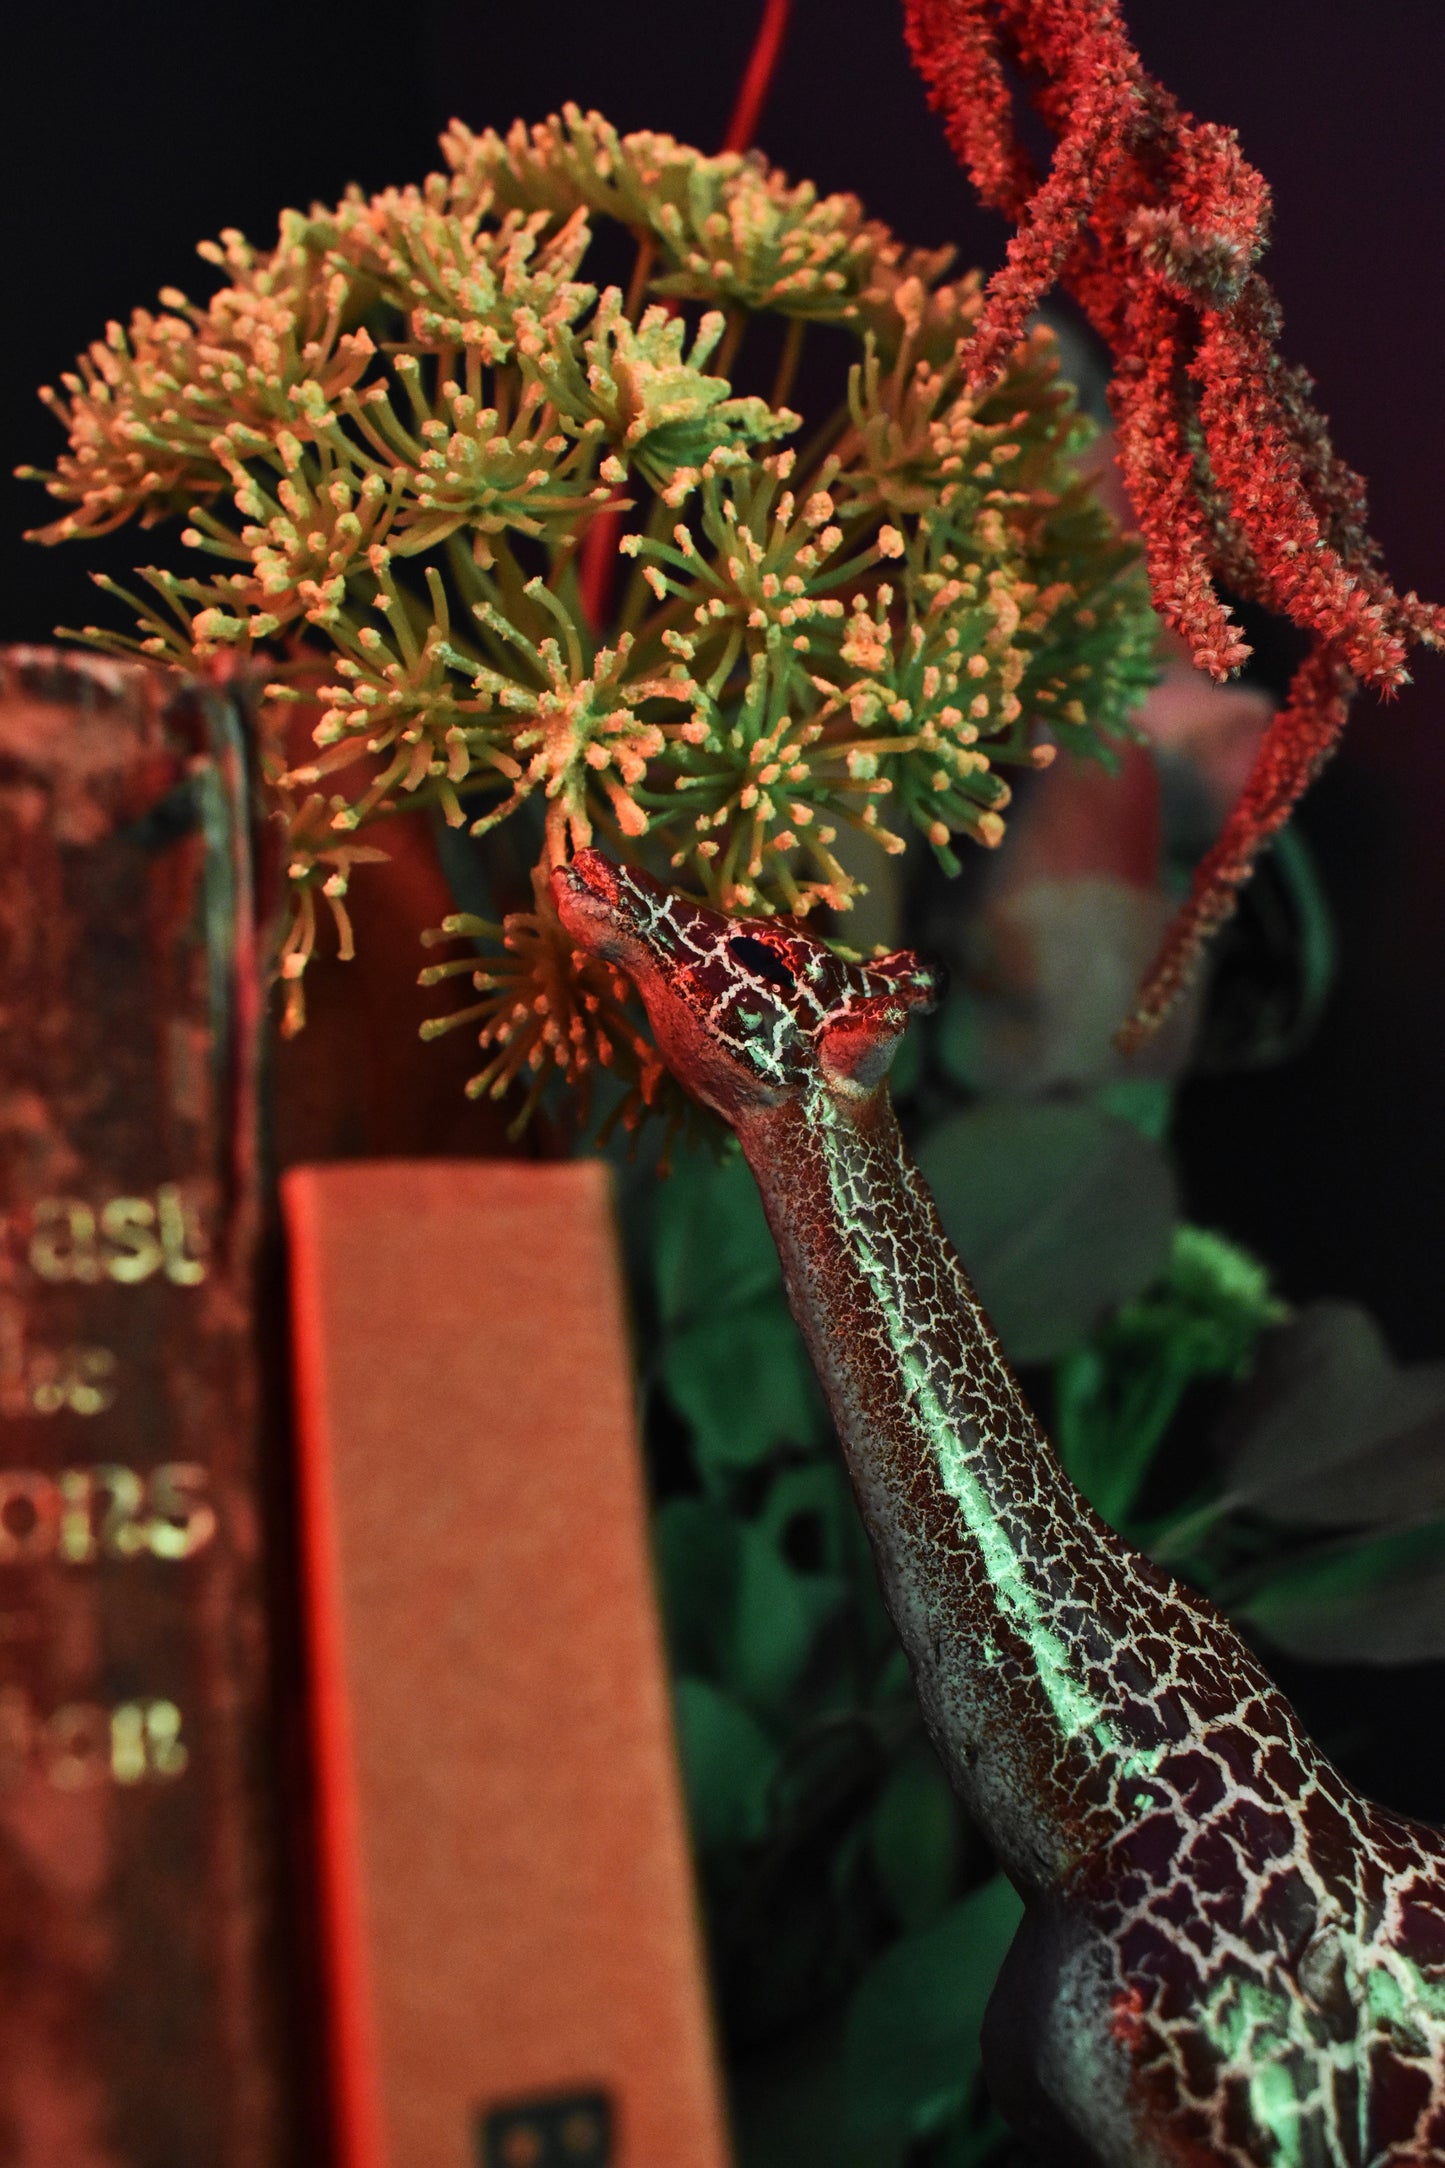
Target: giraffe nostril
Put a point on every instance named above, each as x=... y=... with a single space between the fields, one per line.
x=756 y=956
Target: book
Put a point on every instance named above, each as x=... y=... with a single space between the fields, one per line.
x=140 y=2013
x=509 y=1908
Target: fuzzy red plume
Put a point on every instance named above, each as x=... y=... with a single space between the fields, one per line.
x=1155 y=223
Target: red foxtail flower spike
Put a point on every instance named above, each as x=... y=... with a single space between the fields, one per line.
x=1155 y=223
x=1295 y=747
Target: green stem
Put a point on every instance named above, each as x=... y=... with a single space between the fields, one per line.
x=788 y=363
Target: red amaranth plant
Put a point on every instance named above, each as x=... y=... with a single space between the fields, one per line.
x=1155 y=223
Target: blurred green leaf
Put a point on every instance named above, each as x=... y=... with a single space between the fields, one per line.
x=1059 y=1211
x=698 y=1546
x=912 y=2041
x=907 y=1066
x=1274 y=962
x=827 y=1777
x=790 y=2106
x=1377 y=1601
x=731 y=1360
x=811 y=1515
x=1216 y=1293
x=727 y=1766
x=742 y=1379
x=1115 y=1398
x=1146 y=1101
x=1330 y=1431
x=976 y=2140
x=736 y=1610
x=1048 y=972
x=913 y=1837
x=712 y=1249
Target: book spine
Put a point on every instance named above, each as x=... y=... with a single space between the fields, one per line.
x=138 y=2008
x=509 y=1911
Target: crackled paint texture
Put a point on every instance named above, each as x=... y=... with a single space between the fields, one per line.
x=1227 y=1957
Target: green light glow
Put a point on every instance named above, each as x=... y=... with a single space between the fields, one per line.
x=1077 y=1711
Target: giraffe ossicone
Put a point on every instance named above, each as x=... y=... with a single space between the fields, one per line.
x=1228 y=1959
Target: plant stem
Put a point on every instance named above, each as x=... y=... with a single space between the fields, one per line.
x=758 y=76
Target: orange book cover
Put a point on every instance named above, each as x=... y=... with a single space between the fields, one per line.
x=512 y=1944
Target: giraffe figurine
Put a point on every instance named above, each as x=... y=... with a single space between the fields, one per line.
x=1227 y=1959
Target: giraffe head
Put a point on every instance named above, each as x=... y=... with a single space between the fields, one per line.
x=749 y=1012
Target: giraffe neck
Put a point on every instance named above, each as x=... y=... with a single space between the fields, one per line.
x=1044 y=1650
x=1227 y=1958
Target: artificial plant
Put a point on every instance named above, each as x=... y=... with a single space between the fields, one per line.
x=837 y=1871
x=402 y=431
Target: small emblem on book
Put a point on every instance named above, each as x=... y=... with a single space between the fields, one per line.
x=553 y=2130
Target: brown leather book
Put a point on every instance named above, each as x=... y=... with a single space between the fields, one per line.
x=514 y=1954
x=138 y=2013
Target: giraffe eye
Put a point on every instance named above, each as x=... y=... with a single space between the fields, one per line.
x=755 y=955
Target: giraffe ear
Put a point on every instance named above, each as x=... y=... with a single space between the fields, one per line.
x=904 y=977
x=856 y=1047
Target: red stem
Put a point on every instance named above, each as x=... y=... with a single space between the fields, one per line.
x=597 y=565
x=758 y=80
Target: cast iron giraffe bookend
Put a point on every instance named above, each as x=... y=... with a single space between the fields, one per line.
x=1227 y=1958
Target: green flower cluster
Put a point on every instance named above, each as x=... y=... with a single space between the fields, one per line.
x=417 y=444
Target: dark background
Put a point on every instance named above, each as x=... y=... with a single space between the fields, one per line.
x=131 y=133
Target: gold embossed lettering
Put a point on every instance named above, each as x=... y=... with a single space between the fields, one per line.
x=177 y=1233
x=29 y=1514
x=183 y=1518
x=128 y=1742
x=47 y=1387
x=67 y=1379
x=134 y=1252
x=165 y=1513
x=122 y=1532
x=89 y=1370
x=63 y=1245
x=166 y=1756
x=129 y=1240
x=42 y=1381
x=75 y=1746
x=76 y=1539
x=84 y=1744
